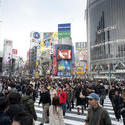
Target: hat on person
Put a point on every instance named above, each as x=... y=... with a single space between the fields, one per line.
x=93 y=96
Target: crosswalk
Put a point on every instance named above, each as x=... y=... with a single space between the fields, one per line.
x=72 y=118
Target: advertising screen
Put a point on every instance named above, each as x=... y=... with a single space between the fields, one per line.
x=49 y=38
x=64 y=67
x=63 y=54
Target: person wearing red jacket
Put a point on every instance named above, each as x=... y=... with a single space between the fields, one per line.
x=62 y=98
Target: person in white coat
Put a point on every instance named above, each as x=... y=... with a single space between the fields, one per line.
x=53 y=93
x=56 y=113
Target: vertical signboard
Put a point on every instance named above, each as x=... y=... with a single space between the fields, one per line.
x=54 y=50
x=73 y=61
x=54 y=66
x=64 y=31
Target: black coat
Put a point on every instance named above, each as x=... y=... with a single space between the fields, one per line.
x=45 y=97
x=4 y=119
x=117 y=101
x=81 y=101
x=28 y=102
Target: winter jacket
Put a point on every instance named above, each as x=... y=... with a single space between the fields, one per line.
x=29 y=105
x=94 y=115
x=62 y=96
x=69 y=93
x=45 y=97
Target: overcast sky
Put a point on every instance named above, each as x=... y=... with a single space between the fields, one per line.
x=19 y=17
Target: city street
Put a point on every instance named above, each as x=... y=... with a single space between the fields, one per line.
x=62 y=62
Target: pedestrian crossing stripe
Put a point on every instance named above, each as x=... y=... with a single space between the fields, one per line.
x=72 y=118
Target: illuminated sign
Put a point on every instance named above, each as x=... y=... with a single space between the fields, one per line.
x=64 y=54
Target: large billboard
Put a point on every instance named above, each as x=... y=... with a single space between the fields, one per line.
x=48 y=39
x=64 y=68
x=64 y=31
x=63 y=54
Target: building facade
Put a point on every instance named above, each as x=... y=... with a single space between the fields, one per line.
x=80 y=58
x=106 y=36
x=7 y=57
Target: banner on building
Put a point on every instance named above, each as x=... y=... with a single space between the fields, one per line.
x=54 y=66
x=54 y=50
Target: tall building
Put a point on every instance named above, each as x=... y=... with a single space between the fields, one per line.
x=32 y=60
x=81 y=58
x=106 y=37
x=64 y=51
x=7 y=57
x=35 y=39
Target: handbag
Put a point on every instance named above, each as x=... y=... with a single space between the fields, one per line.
x=100 y=115
x=81 y=95
x=122 y=110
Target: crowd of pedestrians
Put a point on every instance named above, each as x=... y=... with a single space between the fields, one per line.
x=58 y=96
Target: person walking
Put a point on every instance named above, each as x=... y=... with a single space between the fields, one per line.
x=4 y=119
x=123 y=106
x=53 y=93
x=69 y=93
x=45 y=100
x=96 y=114
x=15 y=106
x=117 y=104
x=102 y=94
x=27 y=101
x=56 y=113
x=62 y=97
x=81 y=100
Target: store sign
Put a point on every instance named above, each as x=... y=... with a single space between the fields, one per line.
x=64 y=34
x=36 y=35
x=14 y=51
x=106 y=29
x=120 y=71
x=64 y=54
